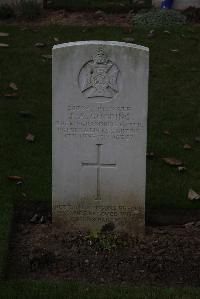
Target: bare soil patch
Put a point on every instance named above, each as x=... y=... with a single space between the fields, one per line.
x=167 y=255
x=76 y=18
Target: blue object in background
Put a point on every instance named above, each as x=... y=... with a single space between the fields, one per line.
x=166 y=3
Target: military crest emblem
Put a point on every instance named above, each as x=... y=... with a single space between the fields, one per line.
x=98 y=78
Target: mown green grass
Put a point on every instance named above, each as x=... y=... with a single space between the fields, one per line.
x=173 y=105
x=6 y=216
x=31 y=290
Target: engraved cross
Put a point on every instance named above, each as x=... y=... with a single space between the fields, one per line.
x=98 y=166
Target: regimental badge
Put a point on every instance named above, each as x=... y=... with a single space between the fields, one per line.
x=99 y=77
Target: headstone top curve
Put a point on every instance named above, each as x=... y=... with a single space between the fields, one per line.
x=98 y=42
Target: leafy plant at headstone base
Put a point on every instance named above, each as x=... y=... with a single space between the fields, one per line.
x=28 y=10
x=6 y=11
x=159 y=17
x=106 y=241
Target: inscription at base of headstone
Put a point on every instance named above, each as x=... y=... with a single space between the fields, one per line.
x=100 y=96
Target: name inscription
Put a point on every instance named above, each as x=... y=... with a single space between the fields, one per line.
x=113 y=122
x=98 y=213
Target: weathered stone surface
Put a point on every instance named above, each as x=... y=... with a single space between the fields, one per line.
x=100 y=92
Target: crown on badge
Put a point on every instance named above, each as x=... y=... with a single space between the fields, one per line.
x=100 y=57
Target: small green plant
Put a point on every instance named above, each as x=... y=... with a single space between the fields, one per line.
x=6 y=11
x=160 y=17
x=29 y=10
x=107 y=241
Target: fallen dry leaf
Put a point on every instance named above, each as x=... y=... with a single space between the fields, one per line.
x=189 y=224
x=151 y=33
x=34 y=219
x=39 y=45
x=197 y=138
x=30 y=137
x=166 y=133
x=25 y=113
x=174 y=50
x=192 y=195
x=187 y=146
x=23 y=28
x=181 y=168
x=13 y=86
x=166 y=31
x=173 y=162
x=197 y=224
x=47 y=56
x=15 y=178
x=10 y=95
x=56 y=39
x=2 y=34
x=4 y=45
x=19 y=183
x=129 y=40
x=150 y=155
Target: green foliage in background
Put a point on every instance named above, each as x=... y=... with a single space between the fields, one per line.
x=160 y=17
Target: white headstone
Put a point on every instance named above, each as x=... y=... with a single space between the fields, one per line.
x=100 y=95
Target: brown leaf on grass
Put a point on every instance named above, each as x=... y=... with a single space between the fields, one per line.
x=174 y=50
x=47 y=56
x=192 y=195
x=13 y=86
x=197 y=138
x=15 y=178
x=150 y=155
x=129 y=40
x=197 y=224
x=10 y=95
x=30 y=137
x=182 y=168
x=188 y=225
x=187 y=146
x=2 y=34
x=2 y=45
x=56 y=39
x=173 y=162
x=166 y=132
x=40 y=45
x=25 y=113
x=151 y=33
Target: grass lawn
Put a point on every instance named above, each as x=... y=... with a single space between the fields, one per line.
x=173 y=106
x=32 y=290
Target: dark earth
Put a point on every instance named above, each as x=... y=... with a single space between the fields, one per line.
x=96 y=18
x=166 y=255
